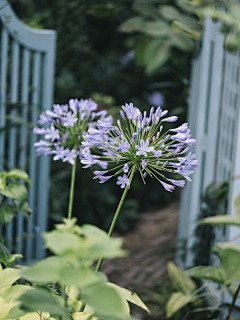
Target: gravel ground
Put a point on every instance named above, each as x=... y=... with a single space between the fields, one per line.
x=150 y=245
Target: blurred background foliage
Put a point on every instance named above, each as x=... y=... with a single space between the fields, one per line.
x=116 y=52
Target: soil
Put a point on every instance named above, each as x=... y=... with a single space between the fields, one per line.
x=150 y=245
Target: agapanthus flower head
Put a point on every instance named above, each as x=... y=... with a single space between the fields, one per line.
x=67 y=124
x=143 y=146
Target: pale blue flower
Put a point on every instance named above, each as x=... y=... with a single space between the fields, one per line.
x=125 y=168
x=123 y=181
x=144 y=148
x=68 y=126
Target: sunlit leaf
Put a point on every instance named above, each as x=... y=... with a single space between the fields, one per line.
x=41 y=299
x=10 y=259
x=16 y=190
x=176 y=301
x=211 y=273
x=130 y=296
x=106 y=302
x=159 y=57
x=7 y=277
x=230 y=261
x=182 y=41
x=222 y=220
x=19 y=174
x=180 y=280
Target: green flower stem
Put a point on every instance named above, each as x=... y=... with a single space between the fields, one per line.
x=71 y=194
x=233 y=302
x=99 y=264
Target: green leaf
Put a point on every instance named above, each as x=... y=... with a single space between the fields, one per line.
x=61 y=242
x=43 y=300
x=230 y=261
x=7 y=212
x=106 y=302
x=232 y=43
x=4 y=308
x=16 y=190
x=176 y=301
x=82 y=277
x=158 y=57
x=145 y=8
x=99 y=244
x=44 y=271
x=11 y=258
x=181 y=282
x=157 y=28
x=23 y=208
x=129 y=296
x=237 y=205
x=132 y=25
x=187 y=29
x=19 y=174
x=169 y=12
x=7 y=277
x=182 y=41
x=226 y=245
x=222 y=220
x=211 y=273
x=15 y=290
x=2 y=180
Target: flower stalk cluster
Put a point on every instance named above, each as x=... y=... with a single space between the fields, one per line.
x=142 y=145
x=67 y=124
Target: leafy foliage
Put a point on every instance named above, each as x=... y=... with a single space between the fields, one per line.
x=60 y=283
x=13 y=199
x=213 y=202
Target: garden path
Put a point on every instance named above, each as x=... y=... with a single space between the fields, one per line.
x=151 y=244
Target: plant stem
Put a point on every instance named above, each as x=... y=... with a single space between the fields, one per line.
x=233 y=302
x=99 y=264
x=71 y=194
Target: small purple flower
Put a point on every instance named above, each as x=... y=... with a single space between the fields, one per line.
x=125 y=168
x=167 y=186
x=157 y=153
x=69 y=120
x=104 y=178
x=99 y=174
x=124 y=146
x=143 y=149
x=39 y=130
x=60 y=153
x=70 y=156
x=52 y=133
x=178 y=183
x=43 y=119
x=144 y=164
x=122 y=115
x=131 y=112
x=123 y=181
x=170 y=119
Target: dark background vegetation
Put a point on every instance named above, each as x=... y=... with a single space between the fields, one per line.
x=94 y=59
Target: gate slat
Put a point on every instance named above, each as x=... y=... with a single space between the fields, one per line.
x=32 y=165
x=3 y=90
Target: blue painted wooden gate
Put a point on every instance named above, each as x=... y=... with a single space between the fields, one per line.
x=26 y=89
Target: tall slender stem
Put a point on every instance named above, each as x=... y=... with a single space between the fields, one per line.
x=71 y=193
x=99 y=264
x=233 y=302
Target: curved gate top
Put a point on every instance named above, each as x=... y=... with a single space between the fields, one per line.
x=26 y=89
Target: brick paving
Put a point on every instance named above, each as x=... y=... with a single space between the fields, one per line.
x=150 y=245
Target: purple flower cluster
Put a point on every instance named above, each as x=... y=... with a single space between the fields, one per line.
x=67 y=124
x=141 y=145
